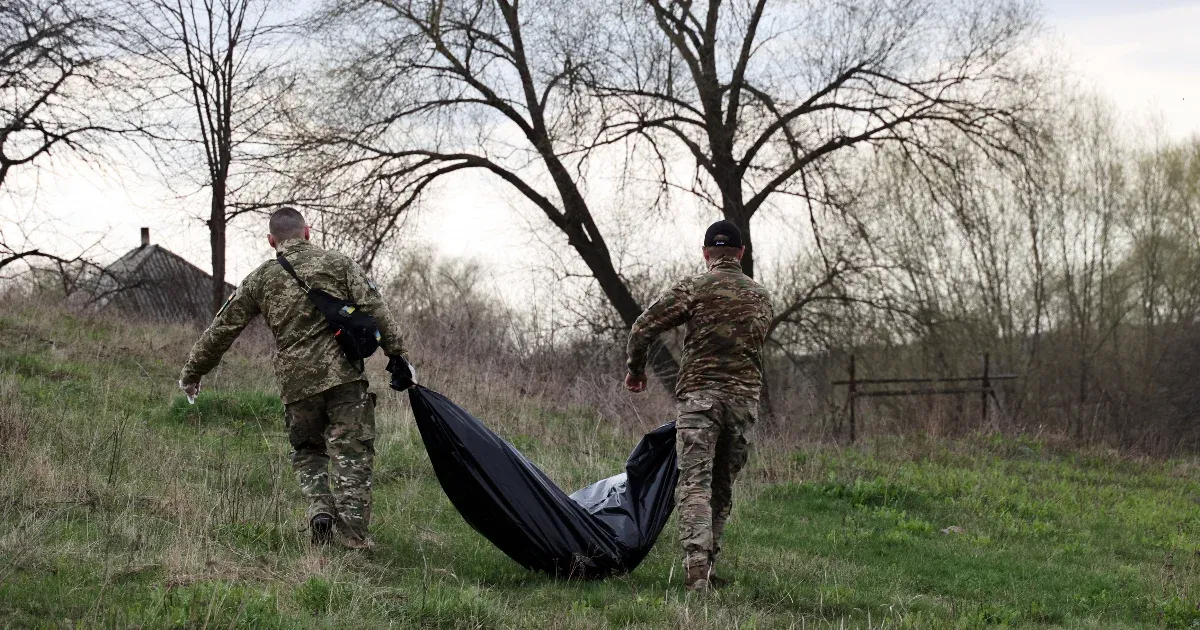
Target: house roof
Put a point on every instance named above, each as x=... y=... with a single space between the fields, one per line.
x=155 y=283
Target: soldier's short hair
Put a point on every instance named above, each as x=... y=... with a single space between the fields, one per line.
x=715 y=252
x=287 y=223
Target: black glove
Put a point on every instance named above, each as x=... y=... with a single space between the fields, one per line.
x=402 y=373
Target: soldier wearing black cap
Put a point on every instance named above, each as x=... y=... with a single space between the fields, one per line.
x=728 y=316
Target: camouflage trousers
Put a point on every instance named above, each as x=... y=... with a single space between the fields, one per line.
x=336 y=426
x=712 y=447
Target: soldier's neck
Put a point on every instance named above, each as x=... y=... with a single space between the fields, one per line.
x=291 y=244
x=725 y=262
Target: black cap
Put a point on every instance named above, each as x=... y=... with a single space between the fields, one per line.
x=723 y=234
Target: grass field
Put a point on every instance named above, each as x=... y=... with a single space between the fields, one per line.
x=124 y=506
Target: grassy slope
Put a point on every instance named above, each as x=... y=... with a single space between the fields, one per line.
x=122 y=505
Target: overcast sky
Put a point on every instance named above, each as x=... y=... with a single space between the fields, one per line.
x=1143 y=55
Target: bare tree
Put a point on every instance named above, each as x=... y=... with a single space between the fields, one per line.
x=764 y=96
x=52 y=56
x=439 y=87
x=56 y=84
x=211 y=83
x=11 y=255
x=763 y=99
x=69 y=267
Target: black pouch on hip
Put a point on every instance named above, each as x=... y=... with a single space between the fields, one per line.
x=353 y=328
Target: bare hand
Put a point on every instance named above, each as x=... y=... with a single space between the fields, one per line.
x=635 y=384
x=191 y=390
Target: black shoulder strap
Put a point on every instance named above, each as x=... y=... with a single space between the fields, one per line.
x=287 y=266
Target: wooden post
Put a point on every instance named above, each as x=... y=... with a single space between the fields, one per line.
x=852 y=398
x=987 y=388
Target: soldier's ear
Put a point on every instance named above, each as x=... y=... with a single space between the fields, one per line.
x=307 y=233
x=705 y=250
x=271 y=240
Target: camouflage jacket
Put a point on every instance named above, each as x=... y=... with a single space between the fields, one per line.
x=728 y=316
x=308 y=360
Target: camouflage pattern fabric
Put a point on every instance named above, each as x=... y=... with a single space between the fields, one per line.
x=336 y=426
x=728 y=316
x=308 y=359
x=713 y=448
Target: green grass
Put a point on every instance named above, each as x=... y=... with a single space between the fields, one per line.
x=121 y=505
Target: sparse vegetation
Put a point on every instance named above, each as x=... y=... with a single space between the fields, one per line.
x=124 y=506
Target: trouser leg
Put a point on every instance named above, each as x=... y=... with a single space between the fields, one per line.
x=732 y=451
x=351 y=442
x=306 y=423
x=695 y=445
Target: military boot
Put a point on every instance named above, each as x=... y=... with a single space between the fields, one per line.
x=698 y=576
x=322 y=529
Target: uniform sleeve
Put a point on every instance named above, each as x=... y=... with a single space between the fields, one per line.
x=364 y=293
x=669 y=311
x=239 y=309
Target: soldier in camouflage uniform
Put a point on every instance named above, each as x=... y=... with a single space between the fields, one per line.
x=728 y=316
x=330 y=415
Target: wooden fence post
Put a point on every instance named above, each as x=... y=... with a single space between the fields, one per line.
x=987 y=388
x=938 y=386
x=852 y=398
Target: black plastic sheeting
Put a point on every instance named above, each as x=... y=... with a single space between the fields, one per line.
x=602 y=530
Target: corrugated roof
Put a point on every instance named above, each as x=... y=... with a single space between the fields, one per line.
x=155 y=283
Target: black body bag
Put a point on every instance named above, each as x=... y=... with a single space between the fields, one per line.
x=602 y=530
x=353 y=328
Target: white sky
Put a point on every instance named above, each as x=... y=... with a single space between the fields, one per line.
x=1143 y=55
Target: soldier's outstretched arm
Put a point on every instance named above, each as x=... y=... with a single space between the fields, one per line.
x=233 y=317
x=364 y=293
x=667 y=312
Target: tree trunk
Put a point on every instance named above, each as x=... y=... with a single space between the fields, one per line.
x=595 y=254
x=743 y=223
x=216 y=238
x=584 y=236
x=734 y=206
